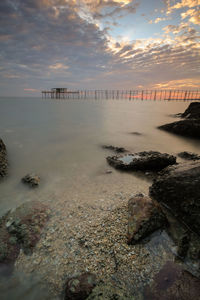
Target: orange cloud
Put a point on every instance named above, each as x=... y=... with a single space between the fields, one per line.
x=31 y=90
x=58 y=66
x=182 y=4
x=193 y=14
x=178 y=84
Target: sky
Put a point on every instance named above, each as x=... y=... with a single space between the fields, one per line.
x=98 y=44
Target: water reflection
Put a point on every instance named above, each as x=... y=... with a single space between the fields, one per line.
x=23 y=287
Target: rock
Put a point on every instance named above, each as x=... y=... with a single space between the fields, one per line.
x=31 y=179
x=108 y=171
x=189 y=155
x=187 y=127
x=143 y=161
x=190 y=126
x=80 y=287
x=113 y=148
x=3 y=159
x=21 y=229
x=192 y=112
x=173 y=283
x=178 y=188
x=144 y=217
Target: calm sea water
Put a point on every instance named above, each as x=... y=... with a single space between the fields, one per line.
x=60 y=139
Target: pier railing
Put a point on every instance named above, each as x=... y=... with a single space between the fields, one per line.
x=125 y=94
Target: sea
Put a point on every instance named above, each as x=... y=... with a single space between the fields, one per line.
x=61 y=141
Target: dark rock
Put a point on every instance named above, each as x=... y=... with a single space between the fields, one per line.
x=190 y=126
x=187 y=127
x=80 y=287
x=144 y=217
x=173 y=283
x=113 y=148
x=192 y=112
x=31 y=179
x=189 y=155
x=21 y=229
x=144 y=161
x=3 y=159
x=178 y=188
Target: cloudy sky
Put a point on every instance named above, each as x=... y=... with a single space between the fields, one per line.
x=98 y=44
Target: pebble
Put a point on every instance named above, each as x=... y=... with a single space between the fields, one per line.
x=80 y=238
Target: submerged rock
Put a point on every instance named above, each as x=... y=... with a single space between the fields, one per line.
x=136 y=133
x=113 y=148
x=108 y=171
x=3 y=159
x=31 y=179
x=144 y=217
x=21 y=229
x=144 y=161
x=173 y=283
x=178 y=188
x=189 y=155
x=187 y=242
x=80 y=287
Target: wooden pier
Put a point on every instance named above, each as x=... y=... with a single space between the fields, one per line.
x=63 y=93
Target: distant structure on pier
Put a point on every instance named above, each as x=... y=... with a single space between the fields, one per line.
x=65 y=93
x=59 y=90
x=58 y=93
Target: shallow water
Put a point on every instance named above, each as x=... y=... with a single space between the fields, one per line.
x=60 y=140
x=127 y=159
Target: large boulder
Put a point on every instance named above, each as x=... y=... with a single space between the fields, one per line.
x=21 y=228
x=142 y=161
x=144 y=217
x=187 y=127
x=192 y=112
x=80 y=287
x=3 y=159
x=190 y=126
x=178 y=188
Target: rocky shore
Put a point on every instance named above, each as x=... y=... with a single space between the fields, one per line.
x=100 y=242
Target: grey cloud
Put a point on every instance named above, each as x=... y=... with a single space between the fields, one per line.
x=37 y=38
